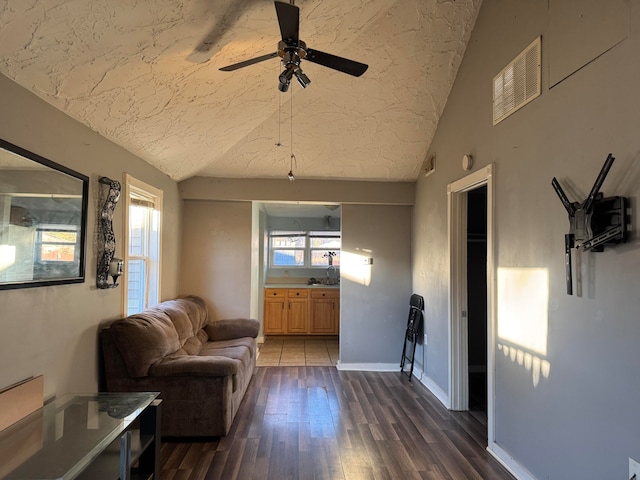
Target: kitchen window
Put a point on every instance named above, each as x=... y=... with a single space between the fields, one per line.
x=304 y=248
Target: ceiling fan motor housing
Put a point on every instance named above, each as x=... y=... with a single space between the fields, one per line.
x=292 y=54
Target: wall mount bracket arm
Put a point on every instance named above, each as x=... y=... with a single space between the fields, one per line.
x=595 y=222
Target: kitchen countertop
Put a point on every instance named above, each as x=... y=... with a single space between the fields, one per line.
x=297 y=285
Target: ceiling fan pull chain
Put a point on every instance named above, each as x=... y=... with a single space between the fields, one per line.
x=279 y=143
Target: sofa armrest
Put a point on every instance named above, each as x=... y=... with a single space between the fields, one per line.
x=213 y=366
x=232 y=328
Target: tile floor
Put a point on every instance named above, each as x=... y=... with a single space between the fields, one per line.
x=294 y=351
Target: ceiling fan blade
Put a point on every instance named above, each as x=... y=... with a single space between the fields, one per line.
x=246 y=63
x=337 y=63
x=289 y=20
x=225 y=19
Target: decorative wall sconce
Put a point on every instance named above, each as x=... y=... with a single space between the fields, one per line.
x=107 y=265
x=116 y=266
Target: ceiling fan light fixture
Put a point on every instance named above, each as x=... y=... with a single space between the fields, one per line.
x=283 y=87
x=303 y=80
x=285 y=79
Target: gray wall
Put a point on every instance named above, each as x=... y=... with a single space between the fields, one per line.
x=373 y=318
x=53 y=330
x=374 y=299
x=581 y=419
x=216 y=256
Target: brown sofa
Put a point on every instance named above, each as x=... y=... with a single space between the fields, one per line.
x=201 y=369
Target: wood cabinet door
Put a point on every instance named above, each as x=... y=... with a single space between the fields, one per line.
x=323 y=315
x=298 y=315
x=275 y=315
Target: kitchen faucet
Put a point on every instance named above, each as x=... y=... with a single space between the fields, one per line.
x=331 y=268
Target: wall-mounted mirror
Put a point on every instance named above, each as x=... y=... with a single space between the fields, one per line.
x=43 y=216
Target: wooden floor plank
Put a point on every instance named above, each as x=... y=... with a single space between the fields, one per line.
x=321 y=423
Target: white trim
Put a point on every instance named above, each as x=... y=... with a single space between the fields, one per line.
x=435 y=389
x=157 y=194
x=508 y=462
x=458 y=335
x=458 y=368
x=369 y=367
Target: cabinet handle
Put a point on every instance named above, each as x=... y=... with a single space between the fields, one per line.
x=297 y=293
x=323 y=294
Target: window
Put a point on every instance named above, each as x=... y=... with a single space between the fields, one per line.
x=288 y=249
x=142 y=251
x=304 y=249
x=57 y=245
x=323 y=246
x=56 y=251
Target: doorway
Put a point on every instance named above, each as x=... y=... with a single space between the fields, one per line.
x=477 y=300
x=472 y=317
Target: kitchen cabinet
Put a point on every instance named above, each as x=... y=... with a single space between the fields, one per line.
x=298 y=310
x=325 y=311
x=301 y=311
x=275 y=313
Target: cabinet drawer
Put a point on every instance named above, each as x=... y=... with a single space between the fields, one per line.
x=275 y=292
x=298 y=292
x=332 y=293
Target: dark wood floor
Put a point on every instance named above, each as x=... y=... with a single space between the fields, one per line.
x=320 y=423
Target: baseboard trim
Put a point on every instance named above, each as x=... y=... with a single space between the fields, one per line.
x=508 y=462
x=435 y=389
x=369 y=367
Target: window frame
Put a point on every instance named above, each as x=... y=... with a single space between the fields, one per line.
x=40 y=243
x=308 y=249
x=134 y=187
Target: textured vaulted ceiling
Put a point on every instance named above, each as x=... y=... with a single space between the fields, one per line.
x=132 y=71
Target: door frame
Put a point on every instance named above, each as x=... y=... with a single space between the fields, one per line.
x=458 y=330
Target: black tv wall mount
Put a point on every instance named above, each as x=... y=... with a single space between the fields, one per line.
x=594 y=223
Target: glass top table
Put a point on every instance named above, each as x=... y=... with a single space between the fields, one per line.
x=62 y=438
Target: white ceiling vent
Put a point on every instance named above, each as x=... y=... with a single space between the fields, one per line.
x=518 y=83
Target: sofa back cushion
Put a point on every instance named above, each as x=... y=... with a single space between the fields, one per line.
x=188 y=315
x=143 y=339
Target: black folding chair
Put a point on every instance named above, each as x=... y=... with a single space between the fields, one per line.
x=416 y=307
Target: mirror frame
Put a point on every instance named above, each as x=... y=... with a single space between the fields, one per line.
x=79 y=277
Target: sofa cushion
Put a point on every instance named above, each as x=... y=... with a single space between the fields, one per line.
x=190 y=365
x=232 y=328
x=239 y=348
x=143 y=339
x=188 y=316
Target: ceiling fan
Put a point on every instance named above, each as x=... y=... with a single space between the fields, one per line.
x=292 y=50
